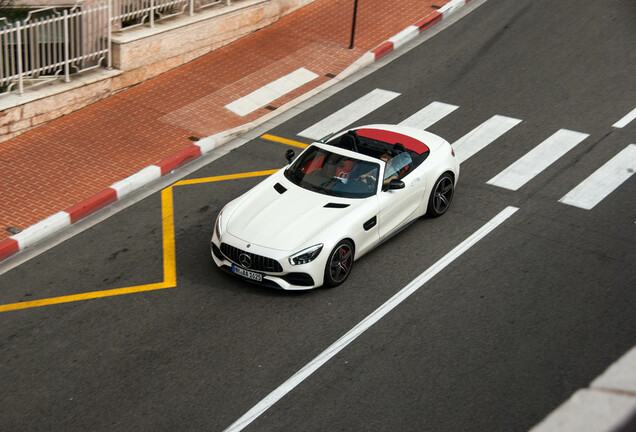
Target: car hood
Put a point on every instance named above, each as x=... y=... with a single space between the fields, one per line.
x=289 y=220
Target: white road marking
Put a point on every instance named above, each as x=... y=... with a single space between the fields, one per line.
x=625 y=120
x=483 y=135
x=537 y=159
x=431 y=114
x=270 y=92
x=603 y=181
x=349 y=114
x=369 y=321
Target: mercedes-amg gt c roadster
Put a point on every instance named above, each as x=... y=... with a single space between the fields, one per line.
x=305 y=225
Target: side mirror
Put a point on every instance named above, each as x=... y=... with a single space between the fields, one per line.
x=290 y=155
x=395 y=184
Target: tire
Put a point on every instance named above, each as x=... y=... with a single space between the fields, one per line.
x=441 y=196
x=339 y=263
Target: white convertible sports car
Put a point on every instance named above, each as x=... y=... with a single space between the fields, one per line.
x=305 y=225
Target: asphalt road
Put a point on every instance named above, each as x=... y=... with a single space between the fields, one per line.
x=495 y=341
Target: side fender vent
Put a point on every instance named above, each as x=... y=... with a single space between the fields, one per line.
x=280 y=188
x=336 y=205
x=370 y=223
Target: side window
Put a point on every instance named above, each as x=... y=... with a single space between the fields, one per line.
x=398 y=165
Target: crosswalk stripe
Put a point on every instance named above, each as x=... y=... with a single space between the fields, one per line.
x=626 y=120
x=482 y=135
x=537 y=159
x=432 y=113
x=586 y=195
x=603 y=181
x=349 y=114
x=270 y=92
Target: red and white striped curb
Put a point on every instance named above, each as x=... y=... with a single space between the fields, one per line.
x=414 y=30
x=55 y=223
x=76 y=212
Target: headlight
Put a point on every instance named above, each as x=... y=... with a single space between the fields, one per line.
x=217 y=226
x=306 y=255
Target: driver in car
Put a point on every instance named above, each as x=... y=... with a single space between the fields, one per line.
x=394 y=166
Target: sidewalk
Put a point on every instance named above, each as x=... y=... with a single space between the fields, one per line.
x=58 y=165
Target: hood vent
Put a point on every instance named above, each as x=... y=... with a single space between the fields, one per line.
x=280 y=188
x=336 y=205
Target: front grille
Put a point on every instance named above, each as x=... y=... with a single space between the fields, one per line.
x=258 y=262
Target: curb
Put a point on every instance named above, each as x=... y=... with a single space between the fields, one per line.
x=58 y=221
x=608 y=404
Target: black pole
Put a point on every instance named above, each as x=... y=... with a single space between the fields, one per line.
x=353 y=25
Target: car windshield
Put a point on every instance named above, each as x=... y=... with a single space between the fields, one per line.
x=328 y=173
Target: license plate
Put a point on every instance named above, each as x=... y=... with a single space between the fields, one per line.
x=247 y=273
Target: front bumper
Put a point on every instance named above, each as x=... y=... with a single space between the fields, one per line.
x=272 y=264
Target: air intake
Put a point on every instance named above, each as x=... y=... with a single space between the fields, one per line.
x=280 y=188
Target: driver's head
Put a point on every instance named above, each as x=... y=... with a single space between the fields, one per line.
x=392 y=152
x=386 y=156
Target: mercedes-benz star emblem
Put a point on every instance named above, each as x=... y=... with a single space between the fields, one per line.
x=245 y=260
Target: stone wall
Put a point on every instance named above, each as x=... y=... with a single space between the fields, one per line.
x=138 y=55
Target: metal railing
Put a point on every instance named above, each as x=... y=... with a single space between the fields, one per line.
x=42 y=48
x=132 y=13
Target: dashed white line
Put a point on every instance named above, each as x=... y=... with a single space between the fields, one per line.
x=365 y=324
x=625 y=120
x=431 y=114
x=349 y=114
x=603 y=181
x=483 y=135
x=537 y=159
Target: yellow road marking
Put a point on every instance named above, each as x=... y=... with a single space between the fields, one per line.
x=224 y=177
x=284 y=141
x=85 y=296
x=169 y=255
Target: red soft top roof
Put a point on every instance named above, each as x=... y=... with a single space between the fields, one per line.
x=394 y=137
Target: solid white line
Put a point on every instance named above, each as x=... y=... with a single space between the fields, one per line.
x=537 y=159
x=603 y=181
x=270 y=92
x=349 y=114
x=483 y=135
x=625 y=120
x=431 y=114
x=365 y=324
